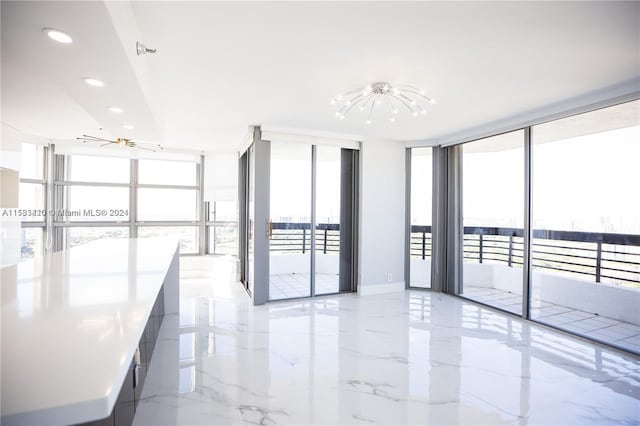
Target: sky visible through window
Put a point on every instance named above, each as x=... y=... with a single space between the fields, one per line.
x=586 y=183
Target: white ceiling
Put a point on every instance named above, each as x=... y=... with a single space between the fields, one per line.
x=223 y=66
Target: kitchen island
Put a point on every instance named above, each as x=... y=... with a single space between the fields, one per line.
x=79 y=327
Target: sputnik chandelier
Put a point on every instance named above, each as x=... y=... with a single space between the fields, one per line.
x=395 y=98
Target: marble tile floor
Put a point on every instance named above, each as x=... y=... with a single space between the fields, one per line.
x=287 y=286
x=410 y=357
x=623 y=334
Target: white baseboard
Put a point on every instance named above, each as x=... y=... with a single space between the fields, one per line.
x=369 y=289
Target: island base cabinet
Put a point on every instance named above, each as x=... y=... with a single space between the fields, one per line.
x=131 y=391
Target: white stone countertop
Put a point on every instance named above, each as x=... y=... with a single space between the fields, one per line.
x=71 y=322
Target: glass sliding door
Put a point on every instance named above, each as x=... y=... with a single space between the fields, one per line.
x=327 y=219
x=290 y=221
x=420 y=238
x=586 y=225
x=493 y=217
x=251 y=226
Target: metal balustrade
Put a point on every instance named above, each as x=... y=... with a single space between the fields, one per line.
x=606 y=257
x=296 y=237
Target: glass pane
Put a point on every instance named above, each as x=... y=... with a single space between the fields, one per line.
x=188 y=235
x=32 y=157
x=96 y=204
x=223 y=240
x=290 y=240
x=84 y=168
x=251 y=226
x=31 y=199
x=32 y=243
x=160 y=172
x=493 y=216
x=328 y=166
x=76 y=236
x=586 y=226
x=224 y=211
x=167 y=204
x=420 y=242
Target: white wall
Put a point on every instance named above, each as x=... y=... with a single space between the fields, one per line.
x=382 y=216
x=10 y=231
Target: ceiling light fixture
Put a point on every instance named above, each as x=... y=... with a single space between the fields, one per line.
x=57 y=35
x=395 y=97
x=94 y=82
x=116 y=110
x=123 y=142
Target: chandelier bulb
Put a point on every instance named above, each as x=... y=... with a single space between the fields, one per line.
x=415 y=113
x=394 y=111
x=378 y=101
x=413 y=101
x=432 y=101
x=392 y=119
x=332 y=102
x=421 y=91
x=423 y=112
x=368 y=121
x=339 y=97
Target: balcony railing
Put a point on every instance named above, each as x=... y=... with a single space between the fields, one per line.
x=603 y=256
x=296 y=237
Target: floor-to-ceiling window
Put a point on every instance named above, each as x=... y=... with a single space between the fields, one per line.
x=549 y=211
x=94 y=196
x=117 y=197
x=586 y=224
x=222 y=227
x=32 y=196
x=312 y=218
x=420 y=240
x=492 y=215
x=327 y=219
x=168 y=201
x=290 y=223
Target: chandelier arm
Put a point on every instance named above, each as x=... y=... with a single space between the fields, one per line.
x=399 y=86
x=417 y=93
x=355 y=99
x=353 y=91
x=413 y=102
x=394 y=110
x=365 y=100
x=402 y=101
x=350 y=107
x=146 y=149
x=93 y=139
x=373 y=103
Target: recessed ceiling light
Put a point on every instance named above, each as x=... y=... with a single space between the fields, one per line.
x=128 y=126
x=116 y=110
x=93 y=82
x=57 y=35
